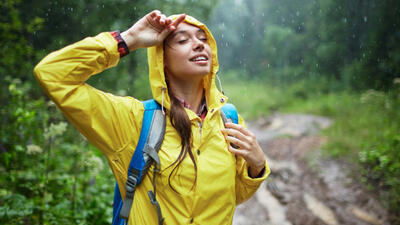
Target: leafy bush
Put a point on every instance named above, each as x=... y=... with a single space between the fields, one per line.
x=49 y=177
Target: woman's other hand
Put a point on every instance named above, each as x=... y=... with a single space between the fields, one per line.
x=150 y=30
x=248 y=145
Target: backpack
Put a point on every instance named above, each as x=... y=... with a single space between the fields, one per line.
x=146 y=154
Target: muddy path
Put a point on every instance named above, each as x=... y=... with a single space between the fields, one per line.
x=305 y=188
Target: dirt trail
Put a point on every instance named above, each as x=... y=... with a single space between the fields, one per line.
x=305 y=188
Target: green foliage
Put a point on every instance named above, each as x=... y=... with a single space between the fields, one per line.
x=49 y=178
x=366 y=130
x=352 y=42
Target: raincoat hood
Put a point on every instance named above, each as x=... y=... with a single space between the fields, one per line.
x=214 y=97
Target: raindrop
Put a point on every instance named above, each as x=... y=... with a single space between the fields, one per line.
x=268 y=65
x=134 y=8
x=102 y=6
x=302 y=61
x=222 y=36
x=344 y=20
x=262 y=14
x=297 y=13
x=316 y=65
x=365 y=19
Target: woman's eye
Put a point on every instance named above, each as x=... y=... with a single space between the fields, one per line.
x=203 y=39
x=182 y=41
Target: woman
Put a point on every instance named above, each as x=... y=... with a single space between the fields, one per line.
x=202 y=177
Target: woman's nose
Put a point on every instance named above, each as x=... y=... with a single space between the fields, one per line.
x=198 y=45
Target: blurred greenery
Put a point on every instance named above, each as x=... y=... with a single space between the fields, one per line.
x=335 y=58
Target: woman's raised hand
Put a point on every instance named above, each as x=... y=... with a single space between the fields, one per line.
x=248 y=145
x=150 y=30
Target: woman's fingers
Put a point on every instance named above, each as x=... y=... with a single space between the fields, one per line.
x=170 y=25
x=238 y=152
x=239 y=127
x=242 y=144
x=236 y=133
x=178 y=20
x=164 y=22
x=168 y=21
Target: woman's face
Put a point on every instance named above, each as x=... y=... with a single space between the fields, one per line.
x=187 y=54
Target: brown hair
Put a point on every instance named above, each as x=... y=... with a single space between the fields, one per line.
x=181 y=122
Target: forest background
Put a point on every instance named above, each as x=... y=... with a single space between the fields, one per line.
x=336 y=58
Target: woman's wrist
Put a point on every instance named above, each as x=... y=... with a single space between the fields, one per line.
x=129 y=39
x=255 y=171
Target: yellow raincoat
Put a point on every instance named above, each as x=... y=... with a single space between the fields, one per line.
x=113 y=124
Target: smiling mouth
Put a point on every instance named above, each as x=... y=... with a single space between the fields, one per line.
x=200 y=58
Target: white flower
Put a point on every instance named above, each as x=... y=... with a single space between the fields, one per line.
x=95 y=164
x=55 y=129
x=51 y=103
x=33 y=149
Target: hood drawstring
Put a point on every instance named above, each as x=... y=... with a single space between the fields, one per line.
x=163 y=89
x=220 y=84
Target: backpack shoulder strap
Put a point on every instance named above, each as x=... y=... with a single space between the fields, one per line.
x=146 y=152
x=229 y=113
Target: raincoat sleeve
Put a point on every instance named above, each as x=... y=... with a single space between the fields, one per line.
x=104 y=119
x=245 y=185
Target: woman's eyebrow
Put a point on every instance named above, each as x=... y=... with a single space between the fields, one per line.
x=185 y=32
x=200 y=31
x=178 y=32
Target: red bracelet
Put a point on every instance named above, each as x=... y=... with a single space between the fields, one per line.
x=122 y=47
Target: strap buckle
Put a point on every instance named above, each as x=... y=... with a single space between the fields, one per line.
x=130 y=191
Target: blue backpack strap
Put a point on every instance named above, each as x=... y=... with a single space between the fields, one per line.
x=230 y=112
x=137 y=162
